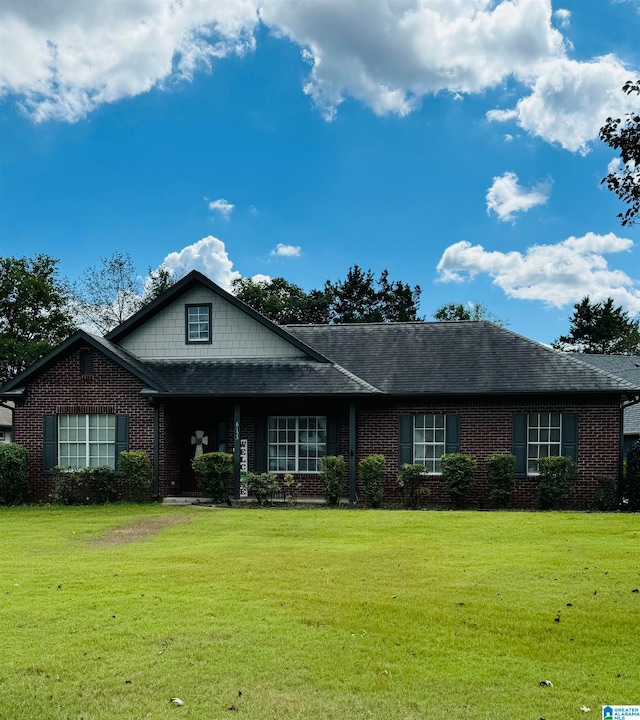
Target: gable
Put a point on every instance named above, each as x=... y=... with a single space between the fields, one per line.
x=234 y=333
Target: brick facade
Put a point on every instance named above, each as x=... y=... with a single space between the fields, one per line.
x=485 y=428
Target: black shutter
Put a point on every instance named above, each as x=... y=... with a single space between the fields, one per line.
x=452 y=431
x=49 y=442
x=333 y=440
x=405 y=443
x=570 y=436
x=260 y=446
x=519 y=443
x=122 y=436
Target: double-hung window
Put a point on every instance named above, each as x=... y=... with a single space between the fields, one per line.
x=296 y=443
x=544 y=438
x=86 y=440
x=198 y=323
x=543 y=434
x=426 y=437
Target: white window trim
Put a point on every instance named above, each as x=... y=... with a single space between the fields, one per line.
x=111 y=461
x=297 y=443
x=434 y=444
x=548 y=443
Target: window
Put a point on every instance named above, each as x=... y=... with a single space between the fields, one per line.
x=86 y=440
x=544 y=433
x=425 y=438
x=198 y=323
x=429 y=441
x=296 y=443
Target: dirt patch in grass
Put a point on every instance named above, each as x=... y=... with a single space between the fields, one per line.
x=139 y=530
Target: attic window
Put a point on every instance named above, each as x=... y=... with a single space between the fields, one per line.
x=198 y=323
x=86 y=363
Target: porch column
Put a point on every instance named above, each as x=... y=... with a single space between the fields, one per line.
x=236 y=451
x=352 y=455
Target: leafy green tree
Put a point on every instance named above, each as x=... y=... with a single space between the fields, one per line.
x=624 y=135
x=454 y=312
x=600 y=328
x=282 y=302
x=157 y=282
x=357 y=299
x=34 y=312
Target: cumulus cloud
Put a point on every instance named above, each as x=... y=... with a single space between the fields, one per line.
x=64 y=58
x=221 y=206
x=570 y=101
x=286 y=250
x=563 y=17
x=506 y=197
x=557 y=274
x=209 y=256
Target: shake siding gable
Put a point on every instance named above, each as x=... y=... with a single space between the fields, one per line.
x=234 y=334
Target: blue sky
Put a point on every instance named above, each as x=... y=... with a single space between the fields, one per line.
x=452 y=142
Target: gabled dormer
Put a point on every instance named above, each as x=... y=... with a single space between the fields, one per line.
x=197 y=320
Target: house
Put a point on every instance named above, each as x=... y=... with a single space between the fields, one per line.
x=197 y=370
x=6 y=422
x=626 y=367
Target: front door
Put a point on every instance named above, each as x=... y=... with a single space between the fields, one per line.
x=199 y=438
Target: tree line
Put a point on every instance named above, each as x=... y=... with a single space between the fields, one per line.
x=38 y=309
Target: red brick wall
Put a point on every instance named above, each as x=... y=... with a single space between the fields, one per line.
x=485 y=428
x=62 y=389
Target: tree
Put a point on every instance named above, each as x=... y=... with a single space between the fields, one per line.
x=109 y=294
x=624 y=135
x=282 y=302
x=357 y=299
x=600 y=328
x=34 y=314
x=455 y=312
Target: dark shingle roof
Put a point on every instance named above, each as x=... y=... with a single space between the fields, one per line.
x=257 y=377
x=445 y=358
x=626 y=367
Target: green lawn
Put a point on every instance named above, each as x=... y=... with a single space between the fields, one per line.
x=316 y=613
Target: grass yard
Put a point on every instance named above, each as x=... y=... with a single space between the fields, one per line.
x=108 y=612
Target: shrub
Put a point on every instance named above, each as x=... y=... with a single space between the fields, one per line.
x=372 y=476
x=136 y=467
x=457 y=476
x=411 y=480
x=500 y=470
x=632 y=484
x=606 y=495
x=332 y=475
x=213 y=473
x=262 y=485
x=556 y=477
x=83 y=486
x=290 y=487
x=14 y=478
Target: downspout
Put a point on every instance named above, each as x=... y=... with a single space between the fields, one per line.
x=236 y=451
x=352 y=455
x=156 y=452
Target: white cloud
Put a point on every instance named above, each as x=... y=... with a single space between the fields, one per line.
x=64 y=58
x=555 y=274
x=209 y=256
x=221 y=206
x=570 y=101
x=286 y=250
x=563 y=17
x=614 y=165
x=506 y=197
